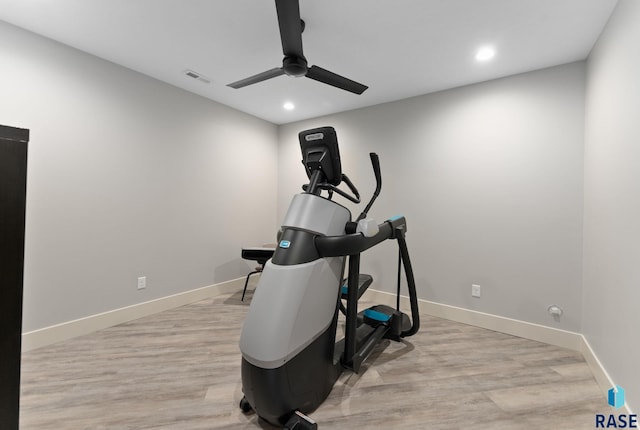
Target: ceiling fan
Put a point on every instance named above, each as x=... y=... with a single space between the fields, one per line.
x=294 y=62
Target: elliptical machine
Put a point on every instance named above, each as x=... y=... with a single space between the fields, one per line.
x=290 y=358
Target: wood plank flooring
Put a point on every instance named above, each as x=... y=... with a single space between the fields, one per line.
x=180 y=369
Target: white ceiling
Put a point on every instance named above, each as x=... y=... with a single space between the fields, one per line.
x=399 y=48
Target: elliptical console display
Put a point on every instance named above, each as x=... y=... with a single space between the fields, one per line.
x=290 y=358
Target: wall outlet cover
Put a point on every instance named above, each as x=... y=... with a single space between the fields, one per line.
x=475 y=290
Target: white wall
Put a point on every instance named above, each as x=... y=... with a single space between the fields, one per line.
x=611 y=320
x=128 y=177
x=489 y=177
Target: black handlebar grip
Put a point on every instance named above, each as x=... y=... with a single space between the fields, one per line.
x=375 y=162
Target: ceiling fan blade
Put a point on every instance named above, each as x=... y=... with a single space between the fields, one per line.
x=277 y=71
x=330 y=78
x=290 y=27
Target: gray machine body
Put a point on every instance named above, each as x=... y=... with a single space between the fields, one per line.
x=294 y=304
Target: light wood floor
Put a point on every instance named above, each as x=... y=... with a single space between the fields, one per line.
x=180 y=369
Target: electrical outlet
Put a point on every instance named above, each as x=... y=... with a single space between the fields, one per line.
x=142 y=282
x=475 y=290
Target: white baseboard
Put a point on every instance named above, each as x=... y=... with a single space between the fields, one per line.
x=540 y=333
x=59 y=332
x=599 y=372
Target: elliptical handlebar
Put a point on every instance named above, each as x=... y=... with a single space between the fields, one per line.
x=356 y=243
x=314 y=188
x=351 y=244
x=356 y=195
x=375 y=163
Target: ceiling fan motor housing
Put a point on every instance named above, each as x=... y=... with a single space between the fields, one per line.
x=294 y=66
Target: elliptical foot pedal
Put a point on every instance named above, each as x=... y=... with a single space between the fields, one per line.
x=377 y=315
x=300 y=421
x=398 y=322
x=364 y=281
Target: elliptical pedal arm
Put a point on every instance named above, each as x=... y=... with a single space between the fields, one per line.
x=411 y=284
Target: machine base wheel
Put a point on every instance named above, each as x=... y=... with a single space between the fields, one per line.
x=245 y=405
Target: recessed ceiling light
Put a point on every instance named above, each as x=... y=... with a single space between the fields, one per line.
x=485 y=53
x=288 y=106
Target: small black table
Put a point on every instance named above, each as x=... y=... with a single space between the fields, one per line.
x=261 y=254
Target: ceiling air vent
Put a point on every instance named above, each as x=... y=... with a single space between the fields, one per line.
x=197 y=76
